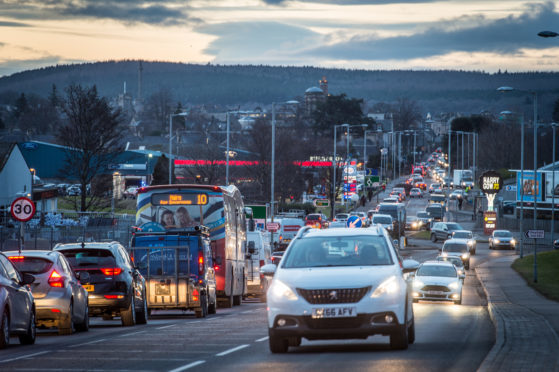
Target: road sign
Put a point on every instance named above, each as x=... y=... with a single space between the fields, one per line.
x=354 y=221
x=370 y=181
x=371 y=172
x=321 y=203
x=272 y=226
x=23 y=209
x=510 y=187
x=535 y=234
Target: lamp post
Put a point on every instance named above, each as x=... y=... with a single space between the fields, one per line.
x=171 y=143
x=365 y=131
x=334 y=166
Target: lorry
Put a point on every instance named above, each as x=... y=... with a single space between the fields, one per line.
x=463 y=178
x=258 y=243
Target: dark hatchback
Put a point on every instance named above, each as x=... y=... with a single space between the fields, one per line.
x=116 y=287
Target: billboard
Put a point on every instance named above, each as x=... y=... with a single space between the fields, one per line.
x=530 y=186
x=550 y=188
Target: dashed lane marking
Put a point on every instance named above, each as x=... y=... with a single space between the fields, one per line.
x=240 y=347
x=167 y=326
x=89 y=343
x=262 y=339
x=130 y=334
x=24 y=356
x=188 y=366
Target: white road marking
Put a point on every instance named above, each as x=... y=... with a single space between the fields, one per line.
x=232 y=350
x=246 y=312
x=167 y=326
x=24 y=356
x=188 y=366
x=130 y=334
x=89 y=343
x=262 y=339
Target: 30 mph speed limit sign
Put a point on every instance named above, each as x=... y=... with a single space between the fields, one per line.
x=23 y=209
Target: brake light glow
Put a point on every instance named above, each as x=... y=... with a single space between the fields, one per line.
x=216 y=267
x=200 y=263
x=195 y=295
x=16 y=258
x=114 y=297
x=111 y=271
x=56 y=280
x=55 y=310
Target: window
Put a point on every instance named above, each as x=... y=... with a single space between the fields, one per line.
x=10 y=269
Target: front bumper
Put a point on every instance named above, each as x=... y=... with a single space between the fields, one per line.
x=361 y=326
x=430 y=296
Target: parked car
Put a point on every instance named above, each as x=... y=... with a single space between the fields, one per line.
x=74 y=190
x=469 y=236
x=17 y=305
x=130 y=193
x=444 y=230
x=459 y=248
x=437 y=281
x=501 y=239
x=60 y=299
x=116 y=288
x=350 y=278
x=509 y=206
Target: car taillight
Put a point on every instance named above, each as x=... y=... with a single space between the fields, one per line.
x=200 y=263
x=262 y=263
x=195 y=295
x=56 y=280
x=109 y=271
x=16 y=258
x=216 y=267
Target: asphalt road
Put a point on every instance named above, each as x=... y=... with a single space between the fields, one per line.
x=448 y=338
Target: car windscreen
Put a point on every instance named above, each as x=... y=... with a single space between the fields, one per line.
x=436 y=270
x=423 y=215
x=454 y=247
x=382 y=219
x=388 y=209
x=31 y=265
x=462 y=235
x=330 y=251
x=83 y=258
x=454 y=226
x=313 y=217
x=502 y=234
x=456 y=261
x=342 y=216
x=437 y=198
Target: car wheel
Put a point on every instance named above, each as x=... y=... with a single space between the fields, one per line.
x=213 y=306
x=66 y=325
x=278 y=345
x=237 y=300
x=29 y=337
x=142 y=314
x=459 y=302
x=203 y=312
x=128 y=316
x=433 y=238
x=5 y=331
x=84 y=326
x=399 y=339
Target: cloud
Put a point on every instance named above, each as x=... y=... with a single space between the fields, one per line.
x=12 y=24
x=13 y=66
x=466 y=34
x=350 y=2
x=156 y=12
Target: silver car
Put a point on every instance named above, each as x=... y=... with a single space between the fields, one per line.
x=60 y=299
x=502 y=239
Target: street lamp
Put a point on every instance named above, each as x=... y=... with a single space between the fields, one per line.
x=553 y=125
x=171 y=143
x=365 y=131
x=148 y=161
x=334 y=166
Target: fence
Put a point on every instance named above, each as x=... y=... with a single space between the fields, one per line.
x=48 y=230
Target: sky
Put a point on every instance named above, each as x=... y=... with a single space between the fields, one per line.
x=481 y=35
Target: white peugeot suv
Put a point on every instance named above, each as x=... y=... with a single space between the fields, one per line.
x=337 y=284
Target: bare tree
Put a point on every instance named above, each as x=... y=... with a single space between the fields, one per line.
x=92 y=132
x=406 y=114
x=157 y=111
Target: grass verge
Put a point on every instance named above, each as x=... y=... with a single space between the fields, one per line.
x=548 y=267
x=425 y=235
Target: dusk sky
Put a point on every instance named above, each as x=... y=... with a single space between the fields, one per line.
x=483 y=35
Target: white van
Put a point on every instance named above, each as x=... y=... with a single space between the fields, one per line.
x=258 y=242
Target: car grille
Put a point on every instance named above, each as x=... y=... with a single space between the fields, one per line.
x=336 y=323
x=333 y=296
x=435 y=296
x=435 y=288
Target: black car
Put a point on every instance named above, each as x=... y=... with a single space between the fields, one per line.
x=509 y=206
x=276 y=257
x=115 y=286
x=17 y=306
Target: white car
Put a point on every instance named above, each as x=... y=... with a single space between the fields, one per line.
x=352 y=278
x=437 y=281
x=383 y=219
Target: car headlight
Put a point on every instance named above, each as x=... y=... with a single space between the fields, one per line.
x=453 y=285
x=389 y=287
x=418 y=284
x=465 y=255
x=512 y=242
x=281 y=291
x=470 y=242
x=414 y=224
x=496 y=241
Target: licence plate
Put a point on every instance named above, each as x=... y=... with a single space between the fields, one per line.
x=435 y=292
x=88 y=287
x=334 y=312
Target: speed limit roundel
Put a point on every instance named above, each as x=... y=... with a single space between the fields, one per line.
x=23 y=209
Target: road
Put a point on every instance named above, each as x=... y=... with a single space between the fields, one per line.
x=448 y=337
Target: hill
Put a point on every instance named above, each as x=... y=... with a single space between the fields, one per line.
x=435 y=91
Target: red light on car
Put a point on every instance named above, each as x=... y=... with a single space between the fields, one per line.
x=16 y=258
x=56 y=280
x=111 y=271
x=55 y=310
x=114 y=297
x=195 y=295
x=216 y=267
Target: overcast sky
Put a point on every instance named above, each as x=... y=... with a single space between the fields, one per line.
x=483 y=35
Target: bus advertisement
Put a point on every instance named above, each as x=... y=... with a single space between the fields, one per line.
x=176 y=208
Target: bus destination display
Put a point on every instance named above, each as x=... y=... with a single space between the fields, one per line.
x=179 y=199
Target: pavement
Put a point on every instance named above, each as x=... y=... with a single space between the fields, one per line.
x=526 y=323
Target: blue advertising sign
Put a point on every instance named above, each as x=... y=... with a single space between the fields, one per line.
x=354 y=221
x=529 y=186
x=371 y=172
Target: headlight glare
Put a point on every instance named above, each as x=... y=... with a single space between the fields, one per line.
x=282 y=291
x=453 y=285
x=389 y=287
x=496 y=241
x=465 y=255
x=417 y=284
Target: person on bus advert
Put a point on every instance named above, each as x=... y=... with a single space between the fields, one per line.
x=184 y=218
x=167 y=219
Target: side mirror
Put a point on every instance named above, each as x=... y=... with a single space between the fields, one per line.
x=251 y=247
x=268 y=270
x=409 y=265
x=462 y=276
x=27 y=279
x=83 y=277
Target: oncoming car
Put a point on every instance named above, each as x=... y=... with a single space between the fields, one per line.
x=339 y=284
x=437 y=280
